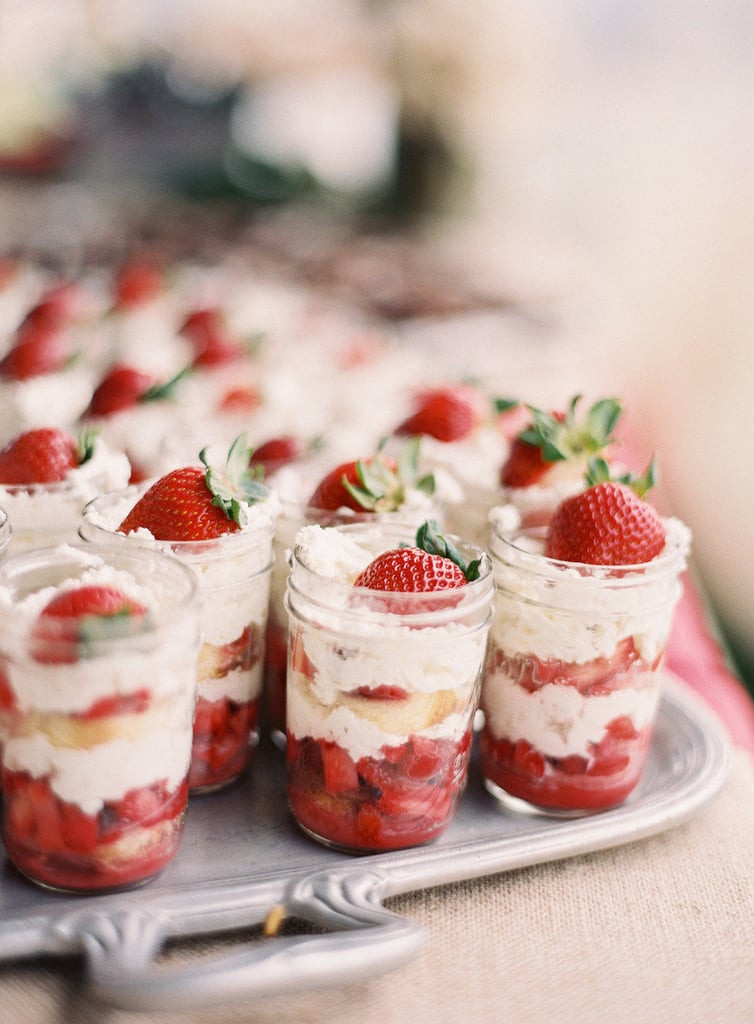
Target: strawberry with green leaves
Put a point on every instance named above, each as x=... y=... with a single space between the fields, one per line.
x=557 y=440
x=432 y=563
x=377 y=483
x=124 y=386
x=43 y=455
x=40 y=348
x=76 y=621
x=608 y=523
x=198 y=503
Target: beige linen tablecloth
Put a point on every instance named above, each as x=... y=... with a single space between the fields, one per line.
x=660 y=930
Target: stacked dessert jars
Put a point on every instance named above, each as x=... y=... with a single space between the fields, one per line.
x=383 y=682
x=232 y=560
x=97 y=653
x=574 y=668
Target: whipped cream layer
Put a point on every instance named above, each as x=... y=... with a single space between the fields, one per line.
x=558 y=720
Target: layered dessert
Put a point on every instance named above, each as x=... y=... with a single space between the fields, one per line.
x=583 y=610
x=47 y=475
x=220 y=523
x=97 y=655
x=377 y=487
x=386 y=650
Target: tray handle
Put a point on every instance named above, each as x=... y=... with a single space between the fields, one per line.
x=366 y=939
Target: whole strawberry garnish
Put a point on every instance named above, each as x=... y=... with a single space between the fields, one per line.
x=556 y=437
x=447 y=414
x=434 y=563
x=44 y=455
x=124 y=386
x=39 y=348
x=375 y=484
x=210 y=339
x=55 y=307
x=135 y=283
x=608 y=523
x=76 y=620
x=240 y=400
x=195 y=504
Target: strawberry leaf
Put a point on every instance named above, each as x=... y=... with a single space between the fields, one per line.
x=158 y=392
x=429 y=539
x=238 y=485
x=85 y=445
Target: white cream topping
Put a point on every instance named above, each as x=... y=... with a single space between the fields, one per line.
x=558 y=720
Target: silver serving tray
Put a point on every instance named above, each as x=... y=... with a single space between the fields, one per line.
x=242 y=855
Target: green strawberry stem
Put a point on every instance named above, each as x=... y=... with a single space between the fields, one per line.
x=598 y=471
x=382 y=488
x=85 y=444
x=429 y=539
x=567 y=438
x=238 y=485
x=165 y=390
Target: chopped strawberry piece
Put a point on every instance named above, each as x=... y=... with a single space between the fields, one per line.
x=340 y=771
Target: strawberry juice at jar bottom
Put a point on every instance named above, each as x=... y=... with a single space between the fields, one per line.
x=97 y=713
x=573 y=674
x=381 y=696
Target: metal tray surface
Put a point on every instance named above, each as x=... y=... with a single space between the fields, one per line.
x=242 y=855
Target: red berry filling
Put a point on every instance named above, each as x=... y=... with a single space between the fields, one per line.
x=223 y=730
x=603 y=779
x=403 y=798
x=56 y=843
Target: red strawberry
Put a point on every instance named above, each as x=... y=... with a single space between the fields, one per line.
x=42 y=456
x=207 y=333
x=373 y=484
x=39 y=348
x=448 y=414
x=556 y=437
x=123 y=387
x=240 y=400
x=137 y=282
x=74 y=620
x=277 y=452
x=606 y=524
x=195 y=504
x=55 y=307
x=120 y=388
x=433 y=564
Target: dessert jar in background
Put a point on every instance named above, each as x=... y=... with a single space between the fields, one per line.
x=46 y=514
x=574 y=671
x=382 y=690
x=6 y=533
x=233 y=575
x=97 y=658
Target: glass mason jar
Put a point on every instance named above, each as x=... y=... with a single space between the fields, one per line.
x=233 y=574
x=96 y=722
x=573 y=674
x=382 y=691
x=6 y=533
x=293 y=517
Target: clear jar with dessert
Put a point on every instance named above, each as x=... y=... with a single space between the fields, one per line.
x=233 y=574
x=382 y=691
x=574 y=671
x=97 y=654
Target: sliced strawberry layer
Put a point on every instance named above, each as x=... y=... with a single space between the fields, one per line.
x=590 y=678
x=603 y=779
x=223 y=733
x=403 y=798
x=55 y=843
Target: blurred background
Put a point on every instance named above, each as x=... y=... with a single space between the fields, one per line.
x=589 y=163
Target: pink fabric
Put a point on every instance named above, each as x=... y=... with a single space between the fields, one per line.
x=695 y=655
